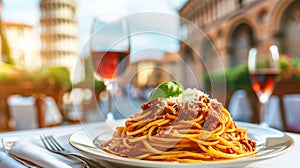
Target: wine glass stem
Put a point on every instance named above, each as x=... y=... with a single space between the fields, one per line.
x=110 y=89
x=262 y=117
x=110 y=97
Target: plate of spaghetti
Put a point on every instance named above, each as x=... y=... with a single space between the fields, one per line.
x=186 y=130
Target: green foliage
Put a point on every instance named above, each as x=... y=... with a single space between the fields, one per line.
x=99 y=85
x=238 y=77
x=9 y=73
x=217 y=78
x=90 y=76
x=295 y=62
x=235 y=78
x=58 y=76
x=5 y=78
x=289 y=67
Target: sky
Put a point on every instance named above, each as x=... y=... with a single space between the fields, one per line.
x=27 y=11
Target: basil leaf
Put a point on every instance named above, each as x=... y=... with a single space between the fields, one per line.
x=167 y=89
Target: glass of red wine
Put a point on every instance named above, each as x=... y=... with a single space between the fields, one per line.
x=263 y=64
x=109 y=51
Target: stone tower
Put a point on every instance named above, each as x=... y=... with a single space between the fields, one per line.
x=59 y=33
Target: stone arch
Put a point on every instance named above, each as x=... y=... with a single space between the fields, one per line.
x=277 y=13
x=288 y=34
x=242 y=39
x=229 y=28
x=243 y=19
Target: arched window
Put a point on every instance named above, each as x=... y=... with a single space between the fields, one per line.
x=241 y=41
x=290 y=29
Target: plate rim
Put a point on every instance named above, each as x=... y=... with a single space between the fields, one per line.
x=96 y=152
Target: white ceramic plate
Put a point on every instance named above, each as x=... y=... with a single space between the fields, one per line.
x=270 y=143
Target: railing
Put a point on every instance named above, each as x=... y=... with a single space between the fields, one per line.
x=39 y=92
x=283 y=88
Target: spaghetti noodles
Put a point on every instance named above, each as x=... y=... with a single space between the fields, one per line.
x=188 y=128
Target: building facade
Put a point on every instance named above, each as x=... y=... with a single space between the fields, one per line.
x=23 y=45
x=149 y=73
x=232 y=27
x=59 y=34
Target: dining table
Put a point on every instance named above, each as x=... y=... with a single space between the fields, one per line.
x=35 y=153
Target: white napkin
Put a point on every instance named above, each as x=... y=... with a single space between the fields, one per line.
x=32 y=150
x=7 y=162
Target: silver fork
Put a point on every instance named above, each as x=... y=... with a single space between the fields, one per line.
x=52 y=145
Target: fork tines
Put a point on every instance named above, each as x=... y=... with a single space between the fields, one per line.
x=50 y=143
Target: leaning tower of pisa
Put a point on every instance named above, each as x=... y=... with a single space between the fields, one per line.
x=59 y=33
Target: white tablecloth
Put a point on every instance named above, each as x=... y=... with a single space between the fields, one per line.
x=290 y=159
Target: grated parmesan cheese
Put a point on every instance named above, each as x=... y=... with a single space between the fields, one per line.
x=190 y=97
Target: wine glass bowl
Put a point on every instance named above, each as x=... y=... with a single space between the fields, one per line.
x=263 y=64
x=110 y=65
x=109 y=52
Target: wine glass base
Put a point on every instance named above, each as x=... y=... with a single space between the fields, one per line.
x=110 y=118
x=264 y=124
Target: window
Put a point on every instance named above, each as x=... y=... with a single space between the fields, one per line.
x=241 y=41
x=290 y=28
x=240 y=3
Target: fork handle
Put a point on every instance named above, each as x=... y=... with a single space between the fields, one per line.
x=91 y=163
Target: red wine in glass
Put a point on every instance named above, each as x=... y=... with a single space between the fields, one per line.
x=110 y=64
x=110 y=52
x=263 y=64
x=264 y=81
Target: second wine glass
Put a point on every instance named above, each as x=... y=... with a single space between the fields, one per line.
x=263 y=64
x=109 y=51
